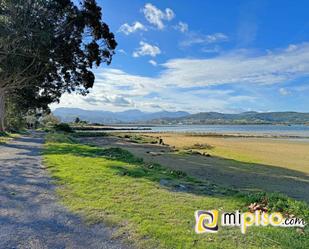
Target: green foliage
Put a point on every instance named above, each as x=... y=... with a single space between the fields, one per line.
x=51 y=32
x=14 y=116
x=90 y=134
x=277 y=202
x=58 y=138
x=77 y=120
x=138 y=138
x=44 y=53
x=120 y=154
x=64 y=127
x=49 y=120
x=5 y=136
x=199 y=146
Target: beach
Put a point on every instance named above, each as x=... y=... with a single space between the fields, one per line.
x=286 y=153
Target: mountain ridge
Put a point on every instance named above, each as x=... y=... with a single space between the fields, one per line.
x=108 y=117
x=240 y=118
x=180 y=117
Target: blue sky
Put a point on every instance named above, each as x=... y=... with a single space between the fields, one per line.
x=226 y=56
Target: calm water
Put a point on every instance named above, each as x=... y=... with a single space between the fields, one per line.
x=278 y=130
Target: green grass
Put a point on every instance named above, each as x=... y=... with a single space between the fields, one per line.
x=4 y=140
x=5 y=137
x=137 y=138
x=59 y=138
x=235 y=155
x=90 y=134
x=113 y=186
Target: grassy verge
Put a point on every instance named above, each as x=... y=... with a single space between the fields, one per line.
x=152 y=206
x=5 y=137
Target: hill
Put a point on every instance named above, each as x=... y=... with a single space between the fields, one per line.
x=107 y=117
x=241 y=118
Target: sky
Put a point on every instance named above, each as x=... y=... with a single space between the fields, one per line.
x=203 y=55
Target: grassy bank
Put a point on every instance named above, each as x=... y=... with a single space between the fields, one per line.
x=137 y=138
x=153 y=206
x=5 y=137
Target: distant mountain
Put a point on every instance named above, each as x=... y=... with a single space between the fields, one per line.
x=241 y=118
x=180 y=117
x=106 y=117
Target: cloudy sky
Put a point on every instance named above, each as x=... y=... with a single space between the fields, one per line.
x=226 y=56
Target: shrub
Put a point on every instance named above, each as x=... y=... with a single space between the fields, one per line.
x=120 y=154
x=59 y=138
x=49 y=120
x=90 y=134
x=199 y=146
x=277 y=202
x=3 y=134
x=63 y=127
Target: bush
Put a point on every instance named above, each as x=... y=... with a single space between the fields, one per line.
x=90 y=134
x=3 y=134
x=199 y=146
x=49 y=120
x=277 y=202
x=120 y=154
x=63 y=127
x=59 y=138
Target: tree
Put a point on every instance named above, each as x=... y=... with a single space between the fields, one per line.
x=21 y=103
x=49 y=47
x=14 y=116
x=49 y=120
x=77 y=120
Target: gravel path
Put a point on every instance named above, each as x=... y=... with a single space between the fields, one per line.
x=30 y=216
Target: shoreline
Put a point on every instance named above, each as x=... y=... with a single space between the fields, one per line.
x=226 y=131
x=213 y=134
x=197 y=134
x=235 y=135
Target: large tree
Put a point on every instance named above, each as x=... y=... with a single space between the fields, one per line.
x=48 y=47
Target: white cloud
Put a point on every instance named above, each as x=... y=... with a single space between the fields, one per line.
x=182 y=27
x=284 y=91
x=210 y=50
x=146 y=49
x=122 y=51
x=117 y=100
x=216 y=37
x=239 y=67
x=303 y=88
x=128 y=29
x=156 y=16
x=195 y=38
x=291 y=48
x=191 y=84
x=152 y=62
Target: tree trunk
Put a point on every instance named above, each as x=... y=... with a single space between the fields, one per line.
x=2 y=109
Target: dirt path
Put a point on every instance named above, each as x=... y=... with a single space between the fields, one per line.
x=224 y=172
x=30 y=217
